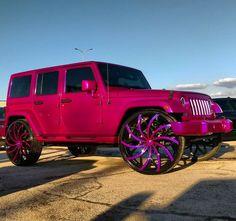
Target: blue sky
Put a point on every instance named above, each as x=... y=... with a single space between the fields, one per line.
x=178 y=44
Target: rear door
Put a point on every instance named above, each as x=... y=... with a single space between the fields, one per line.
x=46 y=102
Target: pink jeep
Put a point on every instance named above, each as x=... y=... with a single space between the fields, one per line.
x=84 y=105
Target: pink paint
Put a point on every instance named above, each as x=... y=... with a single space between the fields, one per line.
x=96 y=114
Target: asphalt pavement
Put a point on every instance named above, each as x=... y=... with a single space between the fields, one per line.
x=103 y=187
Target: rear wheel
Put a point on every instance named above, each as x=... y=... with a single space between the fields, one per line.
x=21 y=146
x=82 y=150
x=148 y=144
x=203 y=149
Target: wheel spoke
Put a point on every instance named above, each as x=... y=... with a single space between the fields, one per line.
x=24 y=134
x=26 y=143
x=18 y=131
x=158 y=165
x=14 y=132
x=166 y=138
x=166 y=150
x=9 y=144
x=138 y=155
x=132 y=146
x=12 y=151
x=16 y=154
x=24 y=151
x=160 y=128
x=132 y=135
x=150 y=124
x=10 y=136
x=147 y=160
x=139 y=126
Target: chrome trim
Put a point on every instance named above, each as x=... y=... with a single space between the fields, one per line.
x=200 y=107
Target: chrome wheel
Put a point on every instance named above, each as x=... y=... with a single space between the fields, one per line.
x=203 y=149
x=21 y=146
x=148 y=144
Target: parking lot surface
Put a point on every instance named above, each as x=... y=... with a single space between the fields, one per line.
x=103 y=187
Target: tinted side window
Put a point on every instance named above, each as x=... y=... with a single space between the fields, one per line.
x=74 y=78
x=47 y=83
x=224 y=104
x=2 y=113
x=233 y=103
x=20 y=87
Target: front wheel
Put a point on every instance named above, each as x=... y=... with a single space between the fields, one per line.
x=21 y=146
x=148 y=144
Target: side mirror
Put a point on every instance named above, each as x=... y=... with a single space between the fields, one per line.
x=89 y=86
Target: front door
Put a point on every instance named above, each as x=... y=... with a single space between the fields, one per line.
x=80 y=111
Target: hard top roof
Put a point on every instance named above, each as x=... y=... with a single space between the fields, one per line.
x=58 y=66
x=66 y=66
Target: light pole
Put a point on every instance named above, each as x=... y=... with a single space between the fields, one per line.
x=83 y=52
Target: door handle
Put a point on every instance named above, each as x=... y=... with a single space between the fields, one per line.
x=66 y=101
x=38 y=102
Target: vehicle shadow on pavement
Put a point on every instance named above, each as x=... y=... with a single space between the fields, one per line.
x=125 y=208
x=207 y=200
x=13 y=178
x=54 y=164
x=72 y=188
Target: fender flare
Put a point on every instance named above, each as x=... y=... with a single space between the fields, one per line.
x=31 y=119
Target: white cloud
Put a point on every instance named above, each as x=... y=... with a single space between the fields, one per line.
x=223 y=94
x=191 y=86
x=226 y=82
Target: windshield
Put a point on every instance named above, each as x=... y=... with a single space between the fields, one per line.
x=120 y=76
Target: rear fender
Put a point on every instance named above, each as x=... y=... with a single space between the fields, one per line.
x=33 y=122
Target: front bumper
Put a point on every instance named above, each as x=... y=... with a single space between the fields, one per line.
x=202 y=127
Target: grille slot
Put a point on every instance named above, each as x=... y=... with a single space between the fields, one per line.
x=200 y=107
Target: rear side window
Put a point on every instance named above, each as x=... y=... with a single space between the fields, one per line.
x=2 y=113
x=47 y=83
x=74 y=78
x=20 y=87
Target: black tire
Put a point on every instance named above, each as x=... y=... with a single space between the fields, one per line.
x=148 y=144
x=203 y=150
x=21 y=146
x=82 y=150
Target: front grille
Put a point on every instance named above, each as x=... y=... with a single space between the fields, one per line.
x=200 y=107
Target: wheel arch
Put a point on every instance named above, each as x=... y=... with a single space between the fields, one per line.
x=30 y=119
x=133 y=110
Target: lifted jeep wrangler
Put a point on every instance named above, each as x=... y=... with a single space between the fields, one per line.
x=84 y=105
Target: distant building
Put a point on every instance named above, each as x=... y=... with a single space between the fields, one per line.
x=2 y=103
